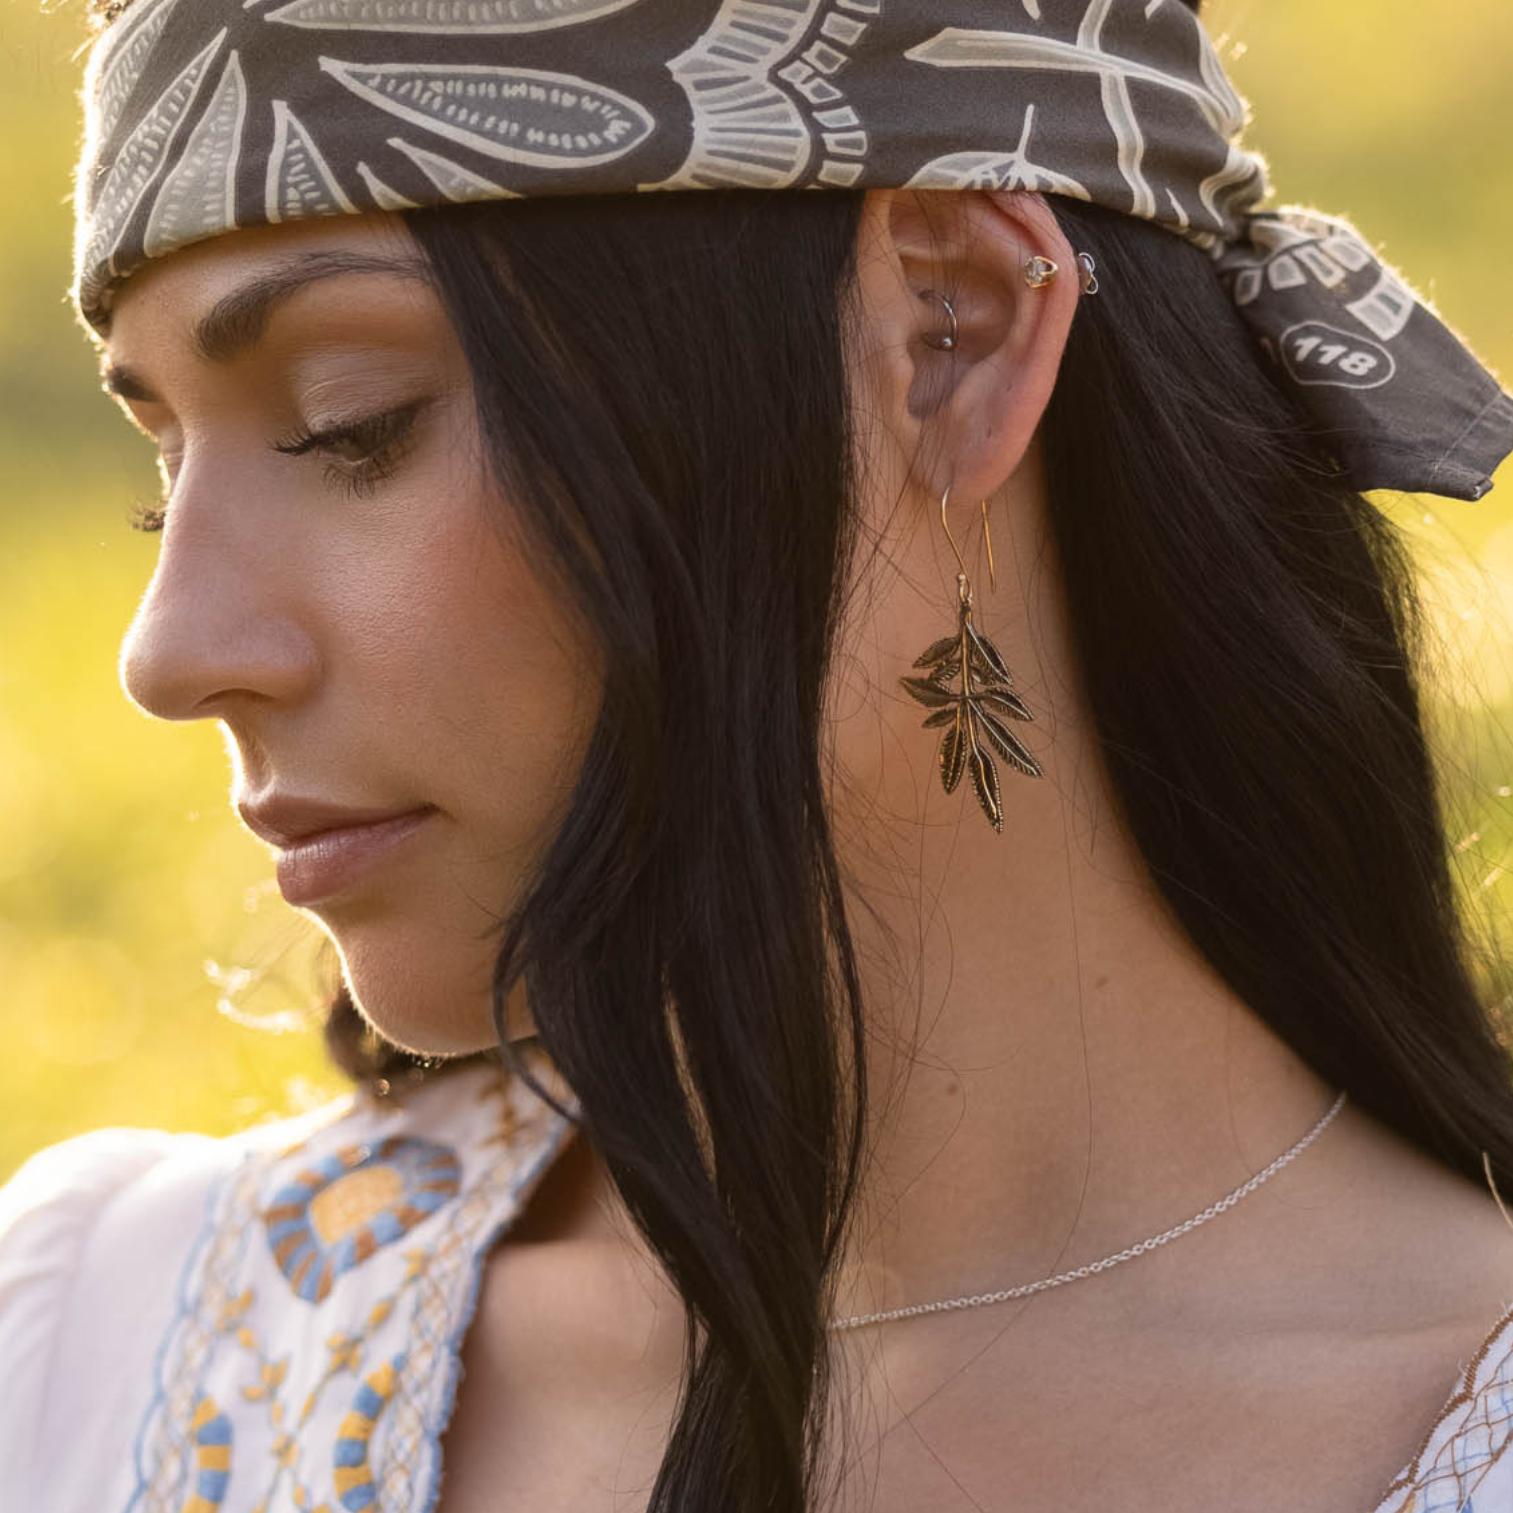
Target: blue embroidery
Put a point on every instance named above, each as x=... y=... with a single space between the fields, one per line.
x=354 y=1481
x=350 y=1203
x=212 y=1457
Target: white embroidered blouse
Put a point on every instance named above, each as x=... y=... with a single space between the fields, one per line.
x=273 y=1320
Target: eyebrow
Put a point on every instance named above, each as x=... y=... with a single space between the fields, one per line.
x=236 y=321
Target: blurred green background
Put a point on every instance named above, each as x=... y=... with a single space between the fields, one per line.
x=149 y=971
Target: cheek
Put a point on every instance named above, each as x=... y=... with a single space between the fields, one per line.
x=483 y=677
x=485 y=698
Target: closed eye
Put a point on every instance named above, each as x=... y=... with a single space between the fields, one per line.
x=360 y=453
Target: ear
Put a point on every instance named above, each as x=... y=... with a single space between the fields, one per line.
x=964 y=417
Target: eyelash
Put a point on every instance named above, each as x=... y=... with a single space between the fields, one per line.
x=380 y=436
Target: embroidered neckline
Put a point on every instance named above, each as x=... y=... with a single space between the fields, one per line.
x=365 y=1234
x=1463 y=1396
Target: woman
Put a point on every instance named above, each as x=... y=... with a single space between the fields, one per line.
x=574 y=570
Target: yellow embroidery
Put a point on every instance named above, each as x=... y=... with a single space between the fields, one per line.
x=210 y=1433
x=354 y=1476
x=354 y=1200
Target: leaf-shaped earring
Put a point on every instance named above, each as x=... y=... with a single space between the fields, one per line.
x=973 y=714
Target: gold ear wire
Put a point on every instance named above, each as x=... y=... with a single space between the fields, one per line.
x=947 y=524
x=986 y=536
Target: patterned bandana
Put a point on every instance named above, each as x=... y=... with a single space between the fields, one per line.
x=208 y=115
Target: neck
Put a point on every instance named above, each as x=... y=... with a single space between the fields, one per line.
x=1056 y=1072
x=1063 y=1077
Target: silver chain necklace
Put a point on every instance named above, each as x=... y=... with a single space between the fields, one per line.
x=1208 y=1213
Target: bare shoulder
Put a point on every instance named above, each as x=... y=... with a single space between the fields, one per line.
x=1433 y=1242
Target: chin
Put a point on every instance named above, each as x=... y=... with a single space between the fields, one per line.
x=424 y=1006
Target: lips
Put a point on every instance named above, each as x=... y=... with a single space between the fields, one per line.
x=324 y=849
x=331 y=862
x=288 y=822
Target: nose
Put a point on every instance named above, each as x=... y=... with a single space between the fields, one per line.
x=221 y=620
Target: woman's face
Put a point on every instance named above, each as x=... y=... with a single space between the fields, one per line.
x=336 y=585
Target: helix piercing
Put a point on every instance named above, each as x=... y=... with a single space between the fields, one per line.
x=1039 y=271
